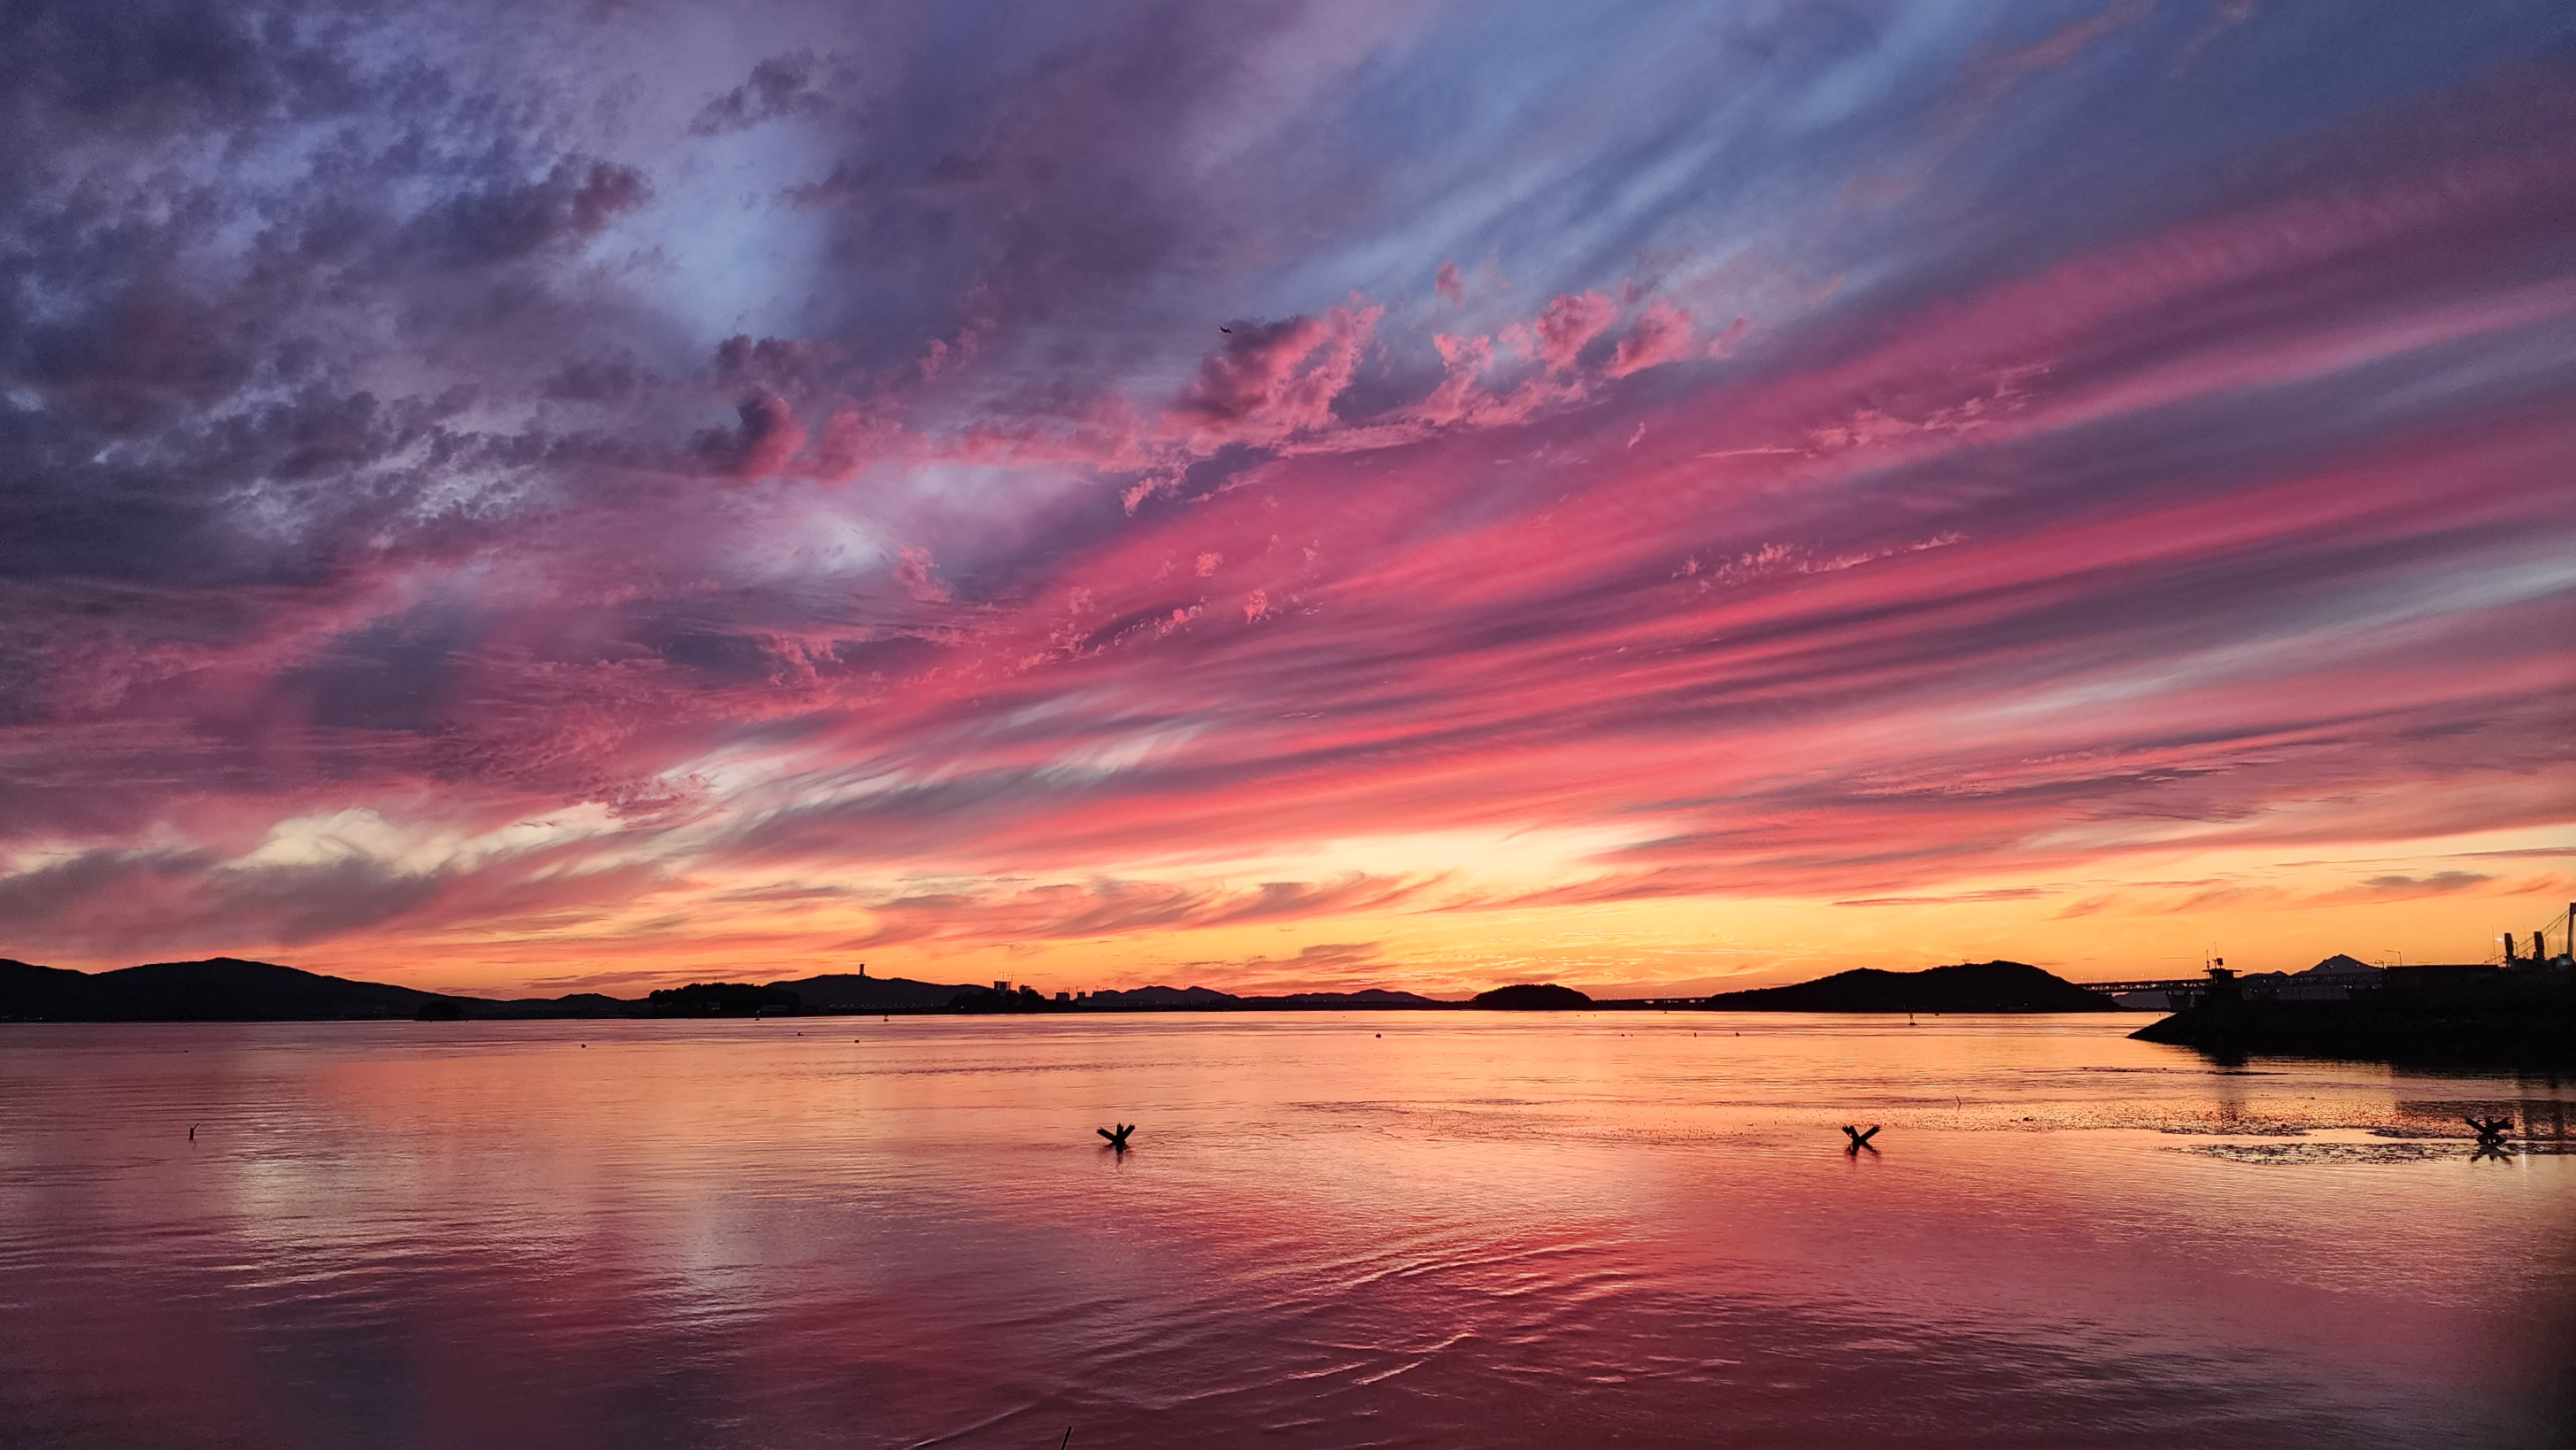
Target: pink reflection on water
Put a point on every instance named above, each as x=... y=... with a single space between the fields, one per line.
x=1631 y=1229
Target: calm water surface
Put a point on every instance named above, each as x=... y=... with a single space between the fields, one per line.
x=1635 y=1230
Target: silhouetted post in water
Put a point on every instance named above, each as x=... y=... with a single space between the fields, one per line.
x=2491 y=1131
x=1859 y=1139
x=1117 y=1140
x=192 y=1132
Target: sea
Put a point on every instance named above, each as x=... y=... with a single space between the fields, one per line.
x=1435 y=1229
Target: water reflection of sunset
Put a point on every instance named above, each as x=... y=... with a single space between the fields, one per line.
x=1511 y=1230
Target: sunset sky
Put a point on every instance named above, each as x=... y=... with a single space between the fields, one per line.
x=1280 y=496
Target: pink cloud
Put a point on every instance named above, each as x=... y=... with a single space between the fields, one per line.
x=1570 y=321
x=913 y=568
x=761 y=447
x=1464 y=360
x=1273 y=380
x=854 y=437
x=1449 y=286
x=1661 y=335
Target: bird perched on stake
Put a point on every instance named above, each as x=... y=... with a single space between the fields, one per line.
x=1859 y=1139
x=1117 y=1140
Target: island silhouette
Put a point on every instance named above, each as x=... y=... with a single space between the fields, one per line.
x=1967 y=987
x=1531 y=997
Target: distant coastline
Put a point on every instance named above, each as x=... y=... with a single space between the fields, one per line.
x=2469 y=1016
x=231 y=989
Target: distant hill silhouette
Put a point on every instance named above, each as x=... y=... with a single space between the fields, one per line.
x=229 y=989
x=218 y=989
x=31 y=992
x=1531 y=997
x=1969 y=987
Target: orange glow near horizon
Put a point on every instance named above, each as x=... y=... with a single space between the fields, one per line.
x=2161 y=918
